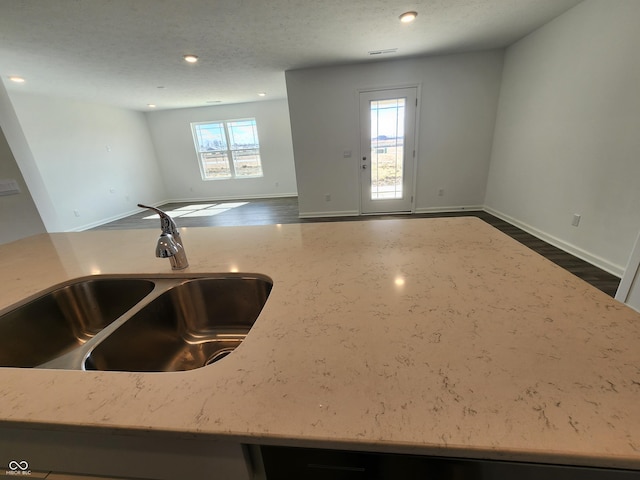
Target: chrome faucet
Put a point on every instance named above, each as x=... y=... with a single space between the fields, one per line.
x=169 y=244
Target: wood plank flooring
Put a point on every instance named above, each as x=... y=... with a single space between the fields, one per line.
x=285 y=210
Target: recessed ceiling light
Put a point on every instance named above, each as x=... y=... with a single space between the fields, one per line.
x=17 y=79
x=190 y=58
x=408 y=17
x=214 y=101
x=151 y=105
x=262 y=94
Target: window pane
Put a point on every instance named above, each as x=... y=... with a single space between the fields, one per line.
x=243 y=134
x=247 y=163
x=219 y=143
x=387 y=148
x=215 y=165
x=211 y=137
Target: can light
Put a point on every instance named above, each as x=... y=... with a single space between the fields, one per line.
x=190 y=58
x=408 y=17
x=17 y=79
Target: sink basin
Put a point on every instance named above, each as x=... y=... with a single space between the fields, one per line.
x=65 y=318
x=190 y=325
x=133 y=323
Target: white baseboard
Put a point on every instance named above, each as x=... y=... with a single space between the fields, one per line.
x=343 y=213
x=230 y=197
x=595 y=260
x=97 y=223
x=355 y=213
x=463 y=208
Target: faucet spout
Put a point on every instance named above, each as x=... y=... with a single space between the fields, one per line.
x=169 y=244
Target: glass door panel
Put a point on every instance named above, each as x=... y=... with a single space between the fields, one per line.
x=387 y=161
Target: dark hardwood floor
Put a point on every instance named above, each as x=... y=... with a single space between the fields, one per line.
x=285 y=210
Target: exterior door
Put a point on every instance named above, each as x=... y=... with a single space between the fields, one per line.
x=387 y=153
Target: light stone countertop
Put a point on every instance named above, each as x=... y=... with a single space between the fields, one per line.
x=431 y=336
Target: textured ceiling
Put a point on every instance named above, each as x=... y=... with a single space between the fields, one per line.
x=128 y=53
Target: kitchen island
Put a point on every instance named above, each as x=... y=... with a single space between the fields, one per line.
x=424 y=336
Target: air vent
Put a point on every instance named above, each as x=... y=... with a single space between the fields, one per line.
x=383 y=52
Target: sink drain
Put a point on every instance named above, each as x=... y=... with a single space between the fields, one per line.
x=220 y=354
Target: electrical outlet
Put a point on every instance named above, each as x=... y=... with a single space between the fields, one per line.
x=327 y=198
x=9 y=186
x=440 y=192
x=76 y=213
x=576 y=220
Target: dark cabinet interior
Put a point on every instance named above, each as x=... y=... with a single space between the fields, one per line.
x=286 y=463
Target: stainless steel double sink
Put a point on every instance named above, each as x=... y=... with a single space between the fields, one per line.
x=133 y=323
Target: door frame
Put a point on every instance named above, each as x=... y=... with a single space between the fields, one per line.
x=414 y=186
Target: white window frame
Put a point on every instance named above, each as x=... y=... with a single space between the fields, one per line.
x=229 y=152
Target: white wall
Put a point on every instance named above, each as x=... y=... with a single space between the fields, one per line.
x=567 y=139
x=20 y=159
x=457 y=113
x=94 y=159
x=18 y=213
x=171 y=132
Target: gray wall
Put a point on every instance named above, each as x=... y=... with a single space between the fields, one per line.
x=566 y=138
x=100 y=161
x=458 y=99
x=18 y=214
x=178 y=162
x=94 y=159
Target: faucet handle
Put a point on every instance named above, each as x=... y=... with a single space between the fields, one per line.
x=166 y=222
